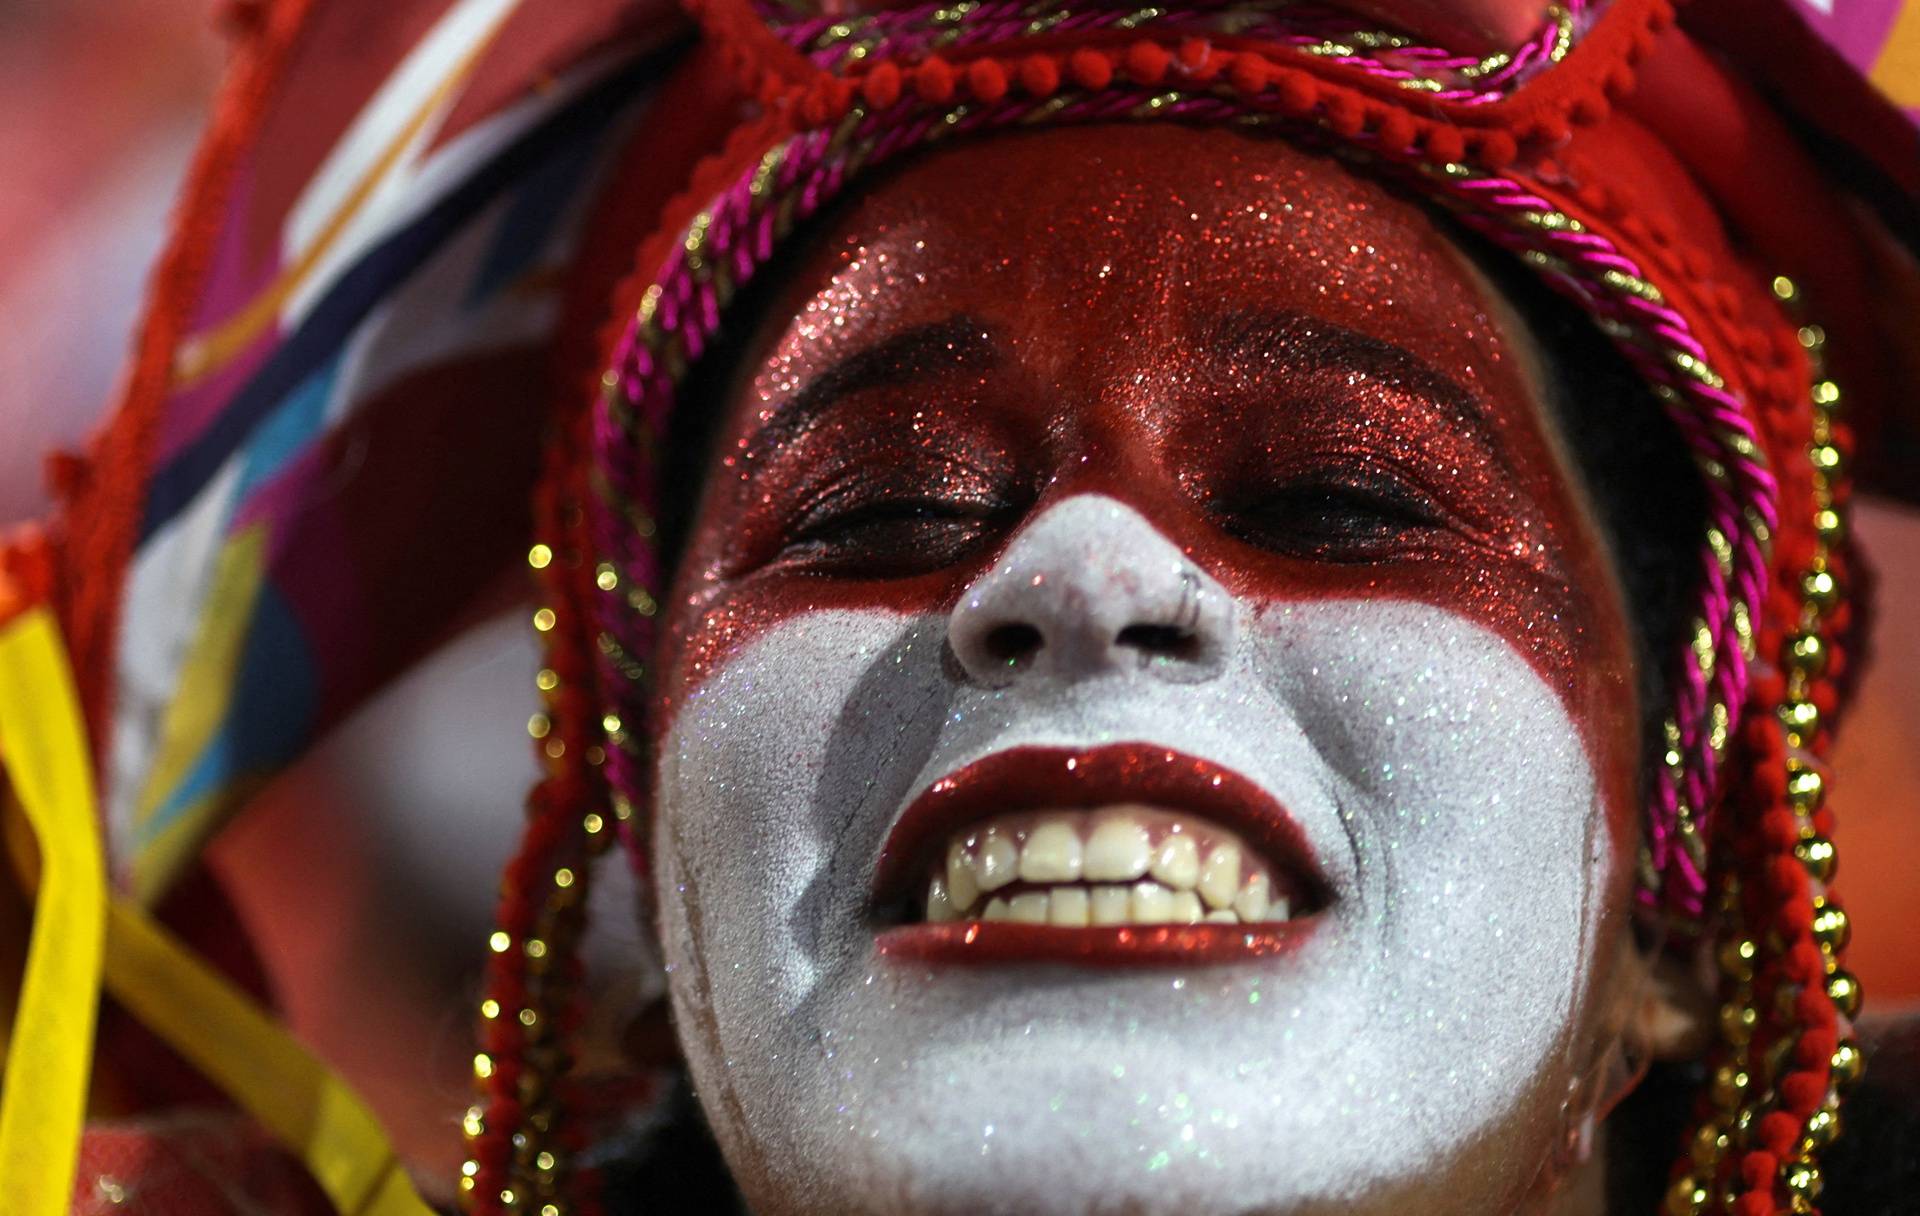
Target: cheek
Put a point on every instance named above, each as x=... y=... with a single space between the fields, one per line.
x=1457 y=767
x=766 y=766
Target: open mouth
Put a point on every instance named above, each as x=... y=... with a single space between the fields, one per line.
x=1126 y=853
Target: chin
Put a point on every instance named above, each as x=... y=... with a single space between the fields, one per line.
x=1395 y=974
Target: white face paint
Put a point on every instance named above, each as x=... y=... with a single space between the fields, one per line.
x=1440 y=782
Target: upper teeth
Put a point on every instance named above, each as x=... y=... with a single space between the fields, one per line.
x=1116 y=866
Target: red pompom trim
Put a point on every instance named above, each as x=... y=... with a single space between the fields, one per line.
x=1397 y=130
x=1804 y=964
x=1757 y=1170
x=1496 y=149
x=1039 y=75
x=1755 y=1203
x=1249 y=74
x=1816 y=1047
x=933 y=82
x=1446 y=144
x=1779 y=829
x=1802 y=1092
x=881 y=87
x=987 y=80
x=1779 y=1132
x=1147 y=62
x=1090 y=69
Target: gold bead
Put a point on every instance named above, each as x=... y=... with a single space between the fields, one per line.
x=1685 y=1197
x=544 y=1161
x=539 y=557
x=1822 y=1129
x=563 y=878
x=538 y=726
x=483 y=1066
x=1816 y=854
x=593 y=823
x=548 y=1209
x=1830 y=925
x=1802 y=1180
x=543 y=620
x=499 y=942
x=606 y=577
x=1736 y=960
x=1845 y=991
x=469 y=1168
x=547 y=680
x=1848 y=1064
x=1820 y=588
x=1825 y=457
x=610 y=723
x=1737 y=1023
x=1805 y=788
x=1729 y=1085
x=1808 y=653
x=1709 y=1145
x=1801 y=717
x=1812 y=336
x=489 y=1009
x=536 y=948
x=1826 y=392
x=1784 y=289
x=1830 y=524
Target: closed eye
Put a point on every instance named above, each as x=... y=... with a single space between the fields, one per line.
x=1348 y=520
x=892 y=538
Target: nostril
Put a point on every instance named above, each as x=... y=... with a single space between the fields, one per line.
x=1012 y=644
x=1161 y=641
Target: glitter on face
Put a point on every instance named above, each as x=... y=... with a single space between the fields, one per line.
x=1327 y=401
x=1269 y=373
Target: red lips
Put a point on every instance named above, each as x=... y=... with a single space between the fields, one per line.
x=1043 y=778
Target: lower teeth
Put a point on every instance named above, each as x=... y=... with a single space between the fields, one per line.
x=1080 y=904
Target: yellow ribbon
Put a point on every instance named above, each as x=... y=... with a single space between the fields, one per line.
x=50 y=1057
x=77 y=926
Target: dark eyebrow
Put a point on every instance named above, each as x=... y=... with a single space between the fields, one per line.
x=903 y=358
x=1324 y=346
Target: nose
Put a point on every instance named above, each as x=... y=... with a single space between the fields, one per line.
x=1089 y=588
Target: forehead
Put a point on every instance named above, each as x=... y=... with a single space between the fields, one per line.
x=1060 y=237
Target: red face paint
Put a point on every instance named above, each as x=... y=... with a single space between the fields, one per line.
x=1291 y=372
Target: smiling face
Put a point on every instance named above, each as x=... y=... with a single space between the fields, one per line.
x=1147 y=721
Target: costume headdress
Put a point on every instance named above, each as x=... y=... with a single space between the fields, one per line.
x=1594 y=148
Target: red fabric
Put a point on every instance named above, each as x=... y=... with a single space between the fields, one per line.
x=193 y=1163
